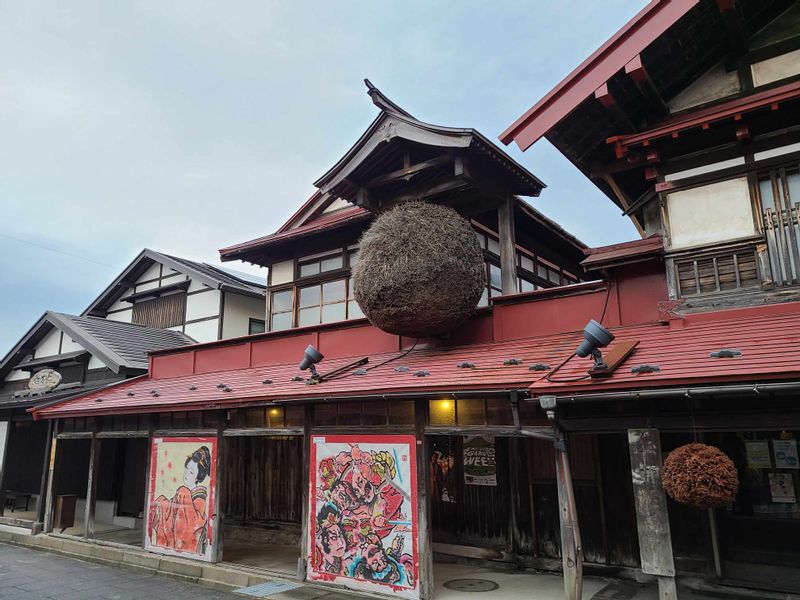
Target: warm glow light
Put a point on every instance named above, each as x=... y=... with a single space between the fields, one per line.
x=445 y=404
x=274 y=411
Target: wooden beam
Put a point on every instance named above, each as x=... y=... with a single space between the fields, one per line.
x=604 y=96
x=735 y=28
x=421 y=191
x=40 y=505
x=508 y=256
x=306 y=511
x=571 y=546
x=636 y=71
x=219 y=525
x=406 y=173
x=623 y=200
x=652 y=518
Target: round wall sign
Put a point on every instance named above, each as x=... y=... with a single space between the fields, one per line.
x=43 y=380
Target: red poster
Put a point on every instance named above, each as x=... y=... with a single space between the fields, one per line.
x=363 y=513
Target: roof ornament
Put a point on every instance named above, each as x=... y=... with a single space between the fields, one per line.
x=380 y=100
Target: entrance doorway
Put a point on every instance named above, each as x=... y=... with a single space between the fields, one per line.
x=22 y=473
x=262 y=491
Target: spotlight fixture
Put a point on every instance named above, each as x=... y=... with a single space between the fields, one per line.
x=311 y=357
x=595 y=337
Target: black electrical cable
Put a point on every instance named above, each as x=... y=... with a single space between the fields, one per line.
x=388 y=360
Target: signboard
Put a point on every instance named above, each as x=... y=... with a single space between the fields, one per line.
x=44 y=380
x=758 y=454
x=180 y=497
x=480 y=465
x=363 y=513
x=781 y=487
x=785 y=454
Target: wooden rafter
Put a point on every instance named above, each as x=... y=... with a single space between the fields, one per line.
x=407 y=172
x=636 y=71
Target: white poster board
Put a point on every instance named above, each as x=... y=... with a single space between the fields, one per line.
x=785 y=454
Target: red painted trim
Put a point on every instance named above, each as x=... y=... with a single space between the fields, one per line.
x=705 y=117
x=651 y=22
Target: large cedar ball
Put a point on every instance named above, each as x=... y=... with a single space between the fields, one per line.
x=420 y=270
x=701 y=476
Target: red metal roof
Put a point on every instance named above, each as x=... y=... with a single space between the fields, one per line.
x=652 y=21
x=324 y=222
x=623 y=253
x=768 y=337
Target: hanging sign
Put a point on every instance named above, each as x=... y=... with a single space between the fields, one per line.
x=180 y=497
x=480 y=465
x=781 y=487
x=758 y=454
x=785 y=454
x=363 y=513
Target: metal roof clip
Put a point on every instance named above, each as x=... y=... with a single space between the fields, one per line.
x=400 y=369
x=725 y=353
x=512 y=361
x=646 y=369
x=539 y=367
x=267 y=381
x=360 y=372
x=422 y=373
x=466 y=365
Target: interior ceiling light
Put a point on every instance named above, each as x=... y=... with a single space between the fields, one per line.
x=725 y=353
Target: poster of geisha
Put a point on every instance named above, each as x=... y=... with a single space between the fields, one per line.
x=180 y=497
x=363 y=513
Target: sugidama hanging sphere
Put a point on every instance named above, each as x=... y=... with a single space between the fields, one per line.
x=701 y=476
x=420 y=270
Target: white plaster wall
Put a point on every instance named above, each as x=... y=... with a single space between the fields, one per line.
x=776 y=68
x=152 y=273
x=733 y=162
x=95 y=363
x=196 y=285
x=714 y=84
x=204 y=331
x=68 y=345
x=125 y=316
x=711 y=213
x=238 y=310
x=119 y=304
x=49 y=345
x=337 y=204
x=200 y=306
x=282 y=272
x=779 y=151
x=143 y=287
x=17 y=375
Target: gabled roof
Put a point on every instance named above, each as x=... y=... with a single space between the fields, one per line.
x=120 y=346
x=211 y=276
x=395 y=123
x=765 y=336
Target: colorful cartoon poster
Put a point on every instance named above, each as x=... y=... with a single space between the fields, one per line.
x=442 y=473
x=363 y=513
x=781 y=487
x=785 y=454
x=758 y=454
x=480 y=463
x=180 y=497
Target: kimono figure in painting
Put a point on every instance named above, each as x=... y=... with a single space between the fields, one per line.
x=390 y=566
x=180 y=522
x=332 y=542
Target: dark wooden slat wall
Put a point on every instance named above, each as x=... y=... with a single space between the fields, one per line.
x=262 y=479
x=161 y=312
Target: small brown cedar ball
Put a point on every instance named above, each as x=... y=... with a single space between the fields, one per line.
x=420 y=270
x=701 y=476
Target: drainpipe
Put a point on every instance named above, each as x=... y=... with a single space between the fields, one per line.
x=571 y=549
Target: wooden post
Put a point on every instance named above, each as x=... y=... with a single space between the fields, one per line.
x=40 y=505
x=508 y=255
x=424 y=545
x=91 y=488
x=571 y=549
x=218 y=521
x=54 y=459
x=308 y=418
x=652 y=519
x=147 y=498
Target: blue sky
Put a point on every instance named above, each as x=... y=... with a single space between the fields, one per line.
x=186 y=126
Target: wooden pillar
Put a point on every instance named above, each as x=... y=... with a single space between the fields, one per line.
x=508 y=256
x=571 y=549
x=220 y=517
x=40 y=505
x=52 y=472
x=5 y=434
x=652 y=519
x=308 y=418
x=147 y=499
x=424 y=544
x=91 y=488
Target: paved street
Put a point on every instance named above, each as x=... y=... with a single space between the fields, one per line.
x=28 y=574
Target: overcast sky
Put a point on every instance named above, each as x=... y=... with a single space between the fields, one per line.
x=186 y=126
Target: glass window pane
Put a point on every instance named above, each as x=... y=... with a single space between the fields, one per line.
x=493 y=246
x=353 y=258
x=793 y=179
x=374 y=412
x=495 y=277
x=499 y=412
x=256 y=326
x=308 y=316
x=349 y=413
x=294 y=415
x=311 y=268
x=354 y=310
x=309 y=296
x=401 y=412
x=470 y=412
x=325 y=414
x=332 y=262
x=526 y=263
x=281 y=321
x=541 y=271
x=481 y=239
x=554 y=276
x=526 y=286
x=442 y=412
x=484 y=301
x=333 y=291
x=282 y=301
x=274 y=417
x=333 y=312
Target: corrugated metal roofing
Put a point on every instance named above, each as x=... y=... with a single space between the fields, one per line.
x=768 y=342
x=623 y=252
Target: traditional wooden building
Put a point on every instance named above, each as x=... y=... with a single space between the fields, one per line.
x=158 y=301
x=687 y=119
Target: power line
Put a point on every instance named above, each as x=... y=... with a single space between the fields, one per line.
x=21 y=241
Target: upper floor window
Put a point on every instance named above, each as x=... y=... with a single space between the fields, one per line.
x=307 y=268
x=325 y=302
x=256 y=326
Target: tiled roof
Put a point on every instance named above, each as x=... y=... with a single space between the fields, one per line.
x=768 y=338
